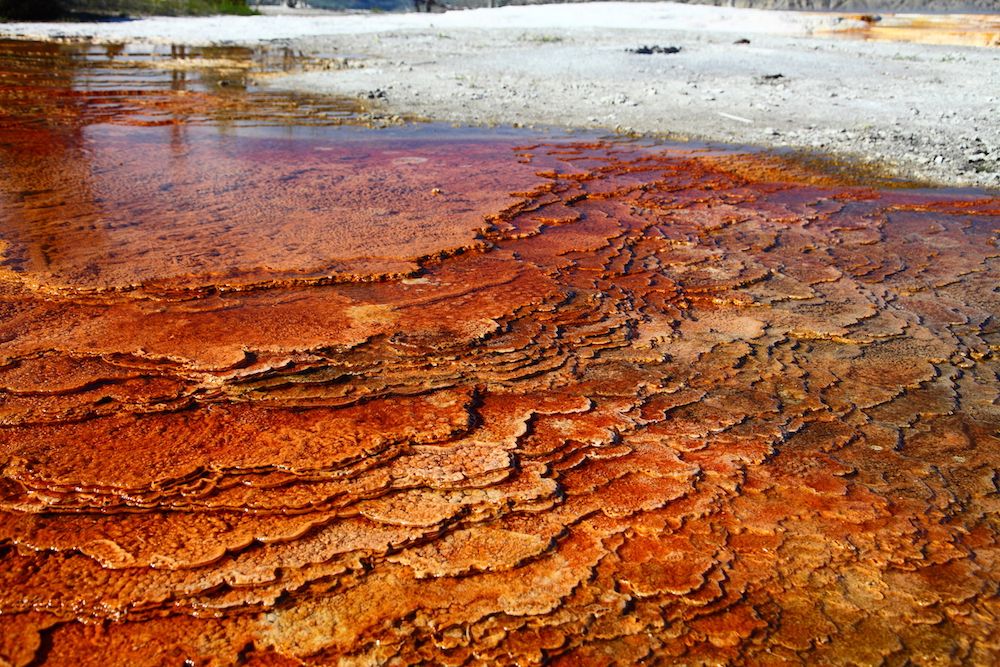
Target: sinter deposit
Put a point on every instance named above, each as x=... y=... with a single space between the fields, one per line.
x=276 y=397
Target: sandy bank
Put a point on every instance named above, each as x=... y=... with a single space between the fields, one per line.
x=926 y=112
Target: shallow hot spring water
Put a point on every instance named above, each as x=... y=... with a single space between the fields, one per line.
x=278 y=389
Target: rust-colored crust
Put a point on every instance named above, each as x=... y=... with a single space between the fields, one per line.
x=665 y=408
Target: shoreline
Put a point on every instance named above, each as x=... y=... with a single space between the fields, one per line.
x=919 y=112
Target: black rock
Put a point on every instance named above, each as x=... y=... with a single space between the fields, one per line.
x=649 y=50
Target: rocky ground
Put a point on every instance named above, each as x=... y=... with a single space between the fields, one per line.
x=777 y=79
x=924 y=112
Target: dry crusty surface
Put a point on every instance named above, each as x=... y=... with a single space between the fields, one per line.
x=670 y=406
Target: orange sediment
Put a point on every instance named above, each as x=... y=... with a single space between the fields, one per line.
x=657 y=405
x=978 y=30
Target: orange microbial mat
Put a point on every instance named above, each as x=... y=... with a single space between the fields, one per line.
x=289 y=393
x=942 y=29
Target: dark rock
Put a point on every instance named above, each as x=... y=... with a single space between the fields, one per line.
x=649 y=50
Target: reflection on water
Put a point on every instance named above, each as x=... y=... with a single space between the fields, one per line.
x=46 y=83
x=128 y=169
x=74 y=187
x=276 y=392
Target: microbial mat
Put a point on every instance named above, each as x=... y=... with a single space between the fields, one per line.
x=279 y=389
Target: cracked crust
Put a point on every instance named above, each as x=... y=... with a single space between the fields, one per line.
x=667 y=412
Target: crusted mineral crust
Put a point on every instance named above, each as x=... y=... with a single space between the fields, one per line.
x=666 y=406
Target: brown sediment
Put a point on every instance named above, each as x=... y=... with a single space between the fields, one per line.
x=144 y=209
x=667 y=407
